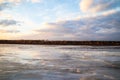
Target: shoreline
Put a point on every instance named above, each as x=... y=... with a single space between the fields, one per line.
x=47 y=42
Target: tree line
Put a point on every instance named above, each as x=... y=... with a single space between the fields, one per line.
x=48 y=42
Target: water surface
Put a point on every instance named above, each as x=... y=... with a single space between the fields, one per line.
x=42 y=62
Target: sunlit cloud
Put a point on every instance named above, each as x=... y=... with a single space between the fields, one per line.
x=9 y=34
x=9 y=31
x=85 y=5
x=112 y=11
x=94 y=6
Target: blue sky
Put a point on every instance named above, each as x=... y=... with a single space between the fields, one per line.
x=60 y=19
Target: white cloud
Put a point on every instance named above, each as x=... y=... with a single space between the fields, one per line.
x=85 y=5
x=112 y=11
x=36 y=1
x=1 y=1
x=12 y=1
x=95 y=6
x=107 y=31
x=19 y=1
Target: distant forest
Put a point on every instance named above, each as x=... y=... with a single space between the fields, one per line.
x=47 y=42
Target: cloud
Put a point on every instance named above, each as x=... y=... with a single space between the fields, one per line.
x=112 y=11
x=8 y=22
x=4 y=6
x=11 y=1
x=85 y=5
x=36 y=1
x=8 y=34
x=90 y=28
x=9 y=31
x=19 y=1
x=56 y=28
x=94 y=6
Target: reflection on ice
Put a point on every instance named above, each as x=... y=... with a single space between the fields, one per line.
x=38 y=62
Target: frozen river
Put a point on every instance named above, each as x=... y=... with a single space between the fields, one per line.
x=42 y=62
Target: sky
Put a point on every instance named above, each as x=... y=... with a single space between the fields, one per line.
x=60 y=19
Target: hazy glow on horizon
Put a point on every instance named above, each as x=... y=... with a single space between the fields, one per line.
x=60 y=19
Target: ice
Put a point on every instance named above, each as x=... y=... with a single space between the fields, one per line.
x=42 y=62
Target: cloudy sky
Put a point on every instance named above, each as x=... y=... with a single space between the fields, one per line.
x=60 y=19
